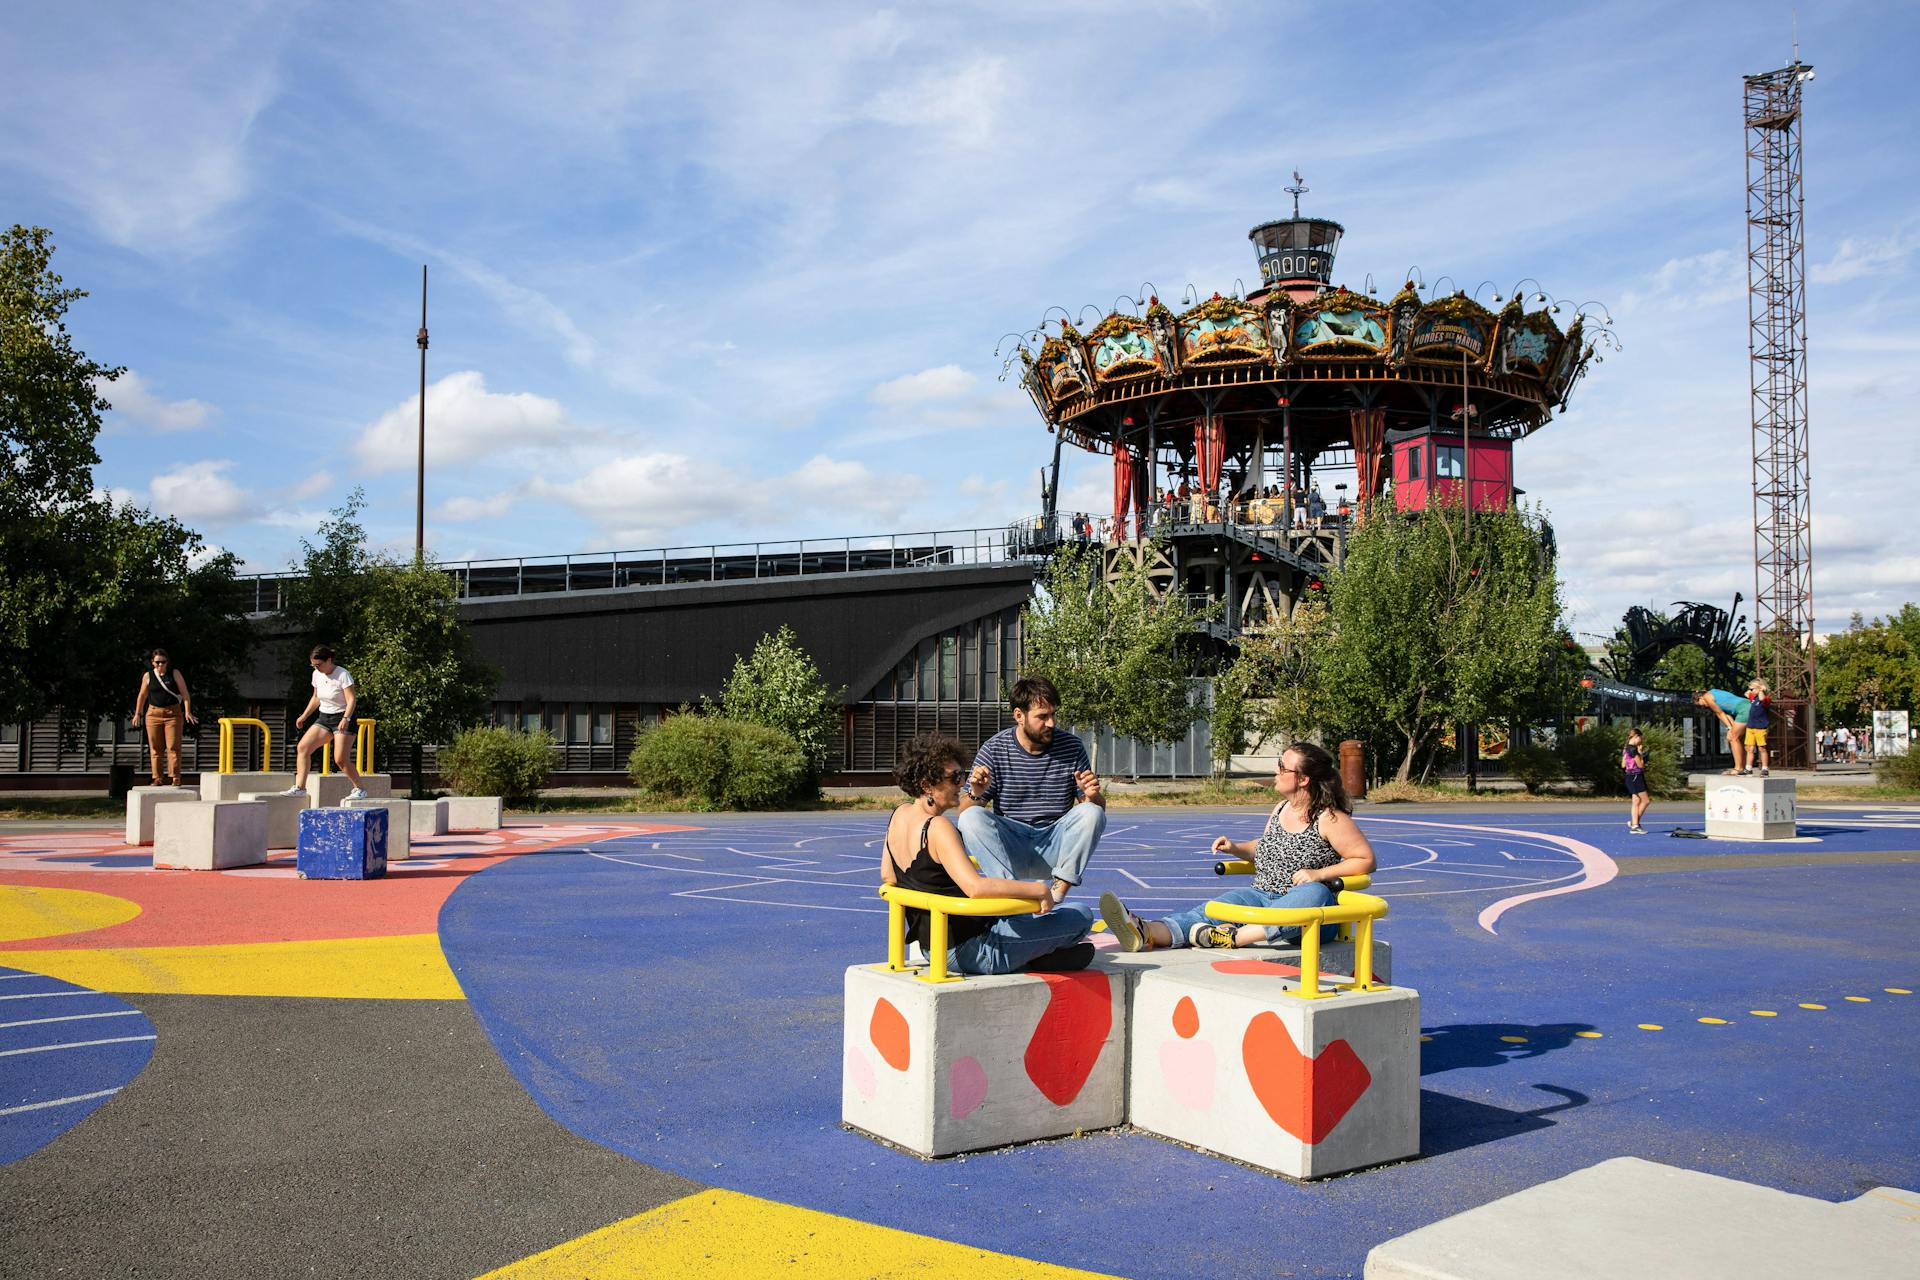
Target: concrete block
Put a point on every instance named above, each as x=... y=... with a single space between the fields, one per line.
x=399 y=823
x=231 y=786
x=327 y=790
x=473 y=813
x=429 y=817
x=141 y=803
x=342 y=844
x=982 y=1063
x=1336 y=959
x=283 y=817
x=1632 y=1217
x=1225 y=1058
x=205 y=835
x=1751 y=808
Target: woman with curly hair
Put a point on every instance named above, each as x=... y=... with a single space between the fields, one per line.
x=923 y=851
x=1310 y=842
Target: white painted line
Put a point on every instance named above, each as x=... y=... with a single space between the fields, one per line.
x=72 y=1017
x=9 y=977
x=77 y=1044
x=1136 y=879
x=58 y=1102
x=43 y=995
x=1510 y=858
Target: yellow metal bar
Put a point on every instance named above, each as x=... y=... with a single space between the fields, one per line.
x=1310 y=964
x=226 y=741
x=1357 y=909
x=937 y=948
x=896 y=937
x=363 y=747
x=1362 y=957
x=326 y=757
x=1233 y=867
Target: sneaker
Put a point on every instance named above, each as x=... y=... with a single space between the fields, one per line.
x=358 y=793
x=294 y=791
x=1213 y=937
x=1765 y=774
x=1128 y=929
x=1636 y=831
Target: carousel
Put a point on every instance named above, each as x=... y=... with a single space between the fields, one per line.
x=1227 y=419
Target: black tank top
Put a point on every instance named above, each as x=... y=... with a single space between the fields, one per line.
x=159 y=693
x=927 y=876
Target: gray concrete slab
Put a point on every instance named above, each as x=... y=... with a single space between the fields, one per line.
x=1627 y=1218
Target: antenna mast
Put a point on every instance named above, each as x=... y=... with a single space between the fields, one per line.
x=1777 y=342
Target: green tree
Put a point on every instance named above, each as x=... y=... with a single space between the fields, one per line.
x=1870 y=667
x=1118 y=653
x=89 y=584
x=1433 y=623
x=414 y=658
x=778 y=686
x=325 y=599
x=1270 y=685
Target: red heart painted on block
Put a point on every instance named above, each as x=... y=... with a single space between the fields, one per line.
x=1072 y=1031
x=1305 y=1096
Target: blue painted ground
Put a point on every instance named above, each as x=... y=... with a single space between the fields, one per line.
x=64 y=1050
x=677 y=997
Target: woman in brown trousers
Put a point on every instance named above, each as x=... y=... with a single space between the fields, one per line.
x=165 y=704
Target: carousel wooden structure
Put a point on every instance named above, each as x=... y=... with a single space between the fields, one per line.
x=1218 y=417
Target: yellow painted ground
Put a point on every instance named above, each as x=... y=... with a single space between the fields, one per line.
x=411 y=967
x=27 y=911
x=726 y=1233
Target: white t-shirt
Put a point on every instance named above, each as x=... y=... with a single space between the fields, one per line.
x=329 y=687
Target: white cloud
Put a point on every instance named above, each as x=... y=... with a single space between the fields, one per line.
x=464 y=508
x=1860 y=256
x=465 y=422
x=198 y=493
x=134 y=402
x=961 y=102
x=944 y=383
x=312 y=487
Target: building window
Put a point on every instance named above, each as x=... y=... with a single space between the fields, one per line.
x=1414 y=457
x=9 y=734
x=603 y=726
x=1449 y=462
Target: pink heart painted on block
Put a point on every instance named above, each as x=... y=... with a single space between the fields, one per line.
x=966 y=1087
x=1186 y=1067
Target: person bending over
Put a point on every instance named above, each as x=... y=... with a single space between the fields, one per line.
x=1033 y=774
x=1733 y=711
x=1311 y=841
x=334 y=698
x=923 y=851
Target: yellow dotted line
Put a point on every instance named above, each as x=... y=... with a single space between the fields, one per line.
x=1712 y=1022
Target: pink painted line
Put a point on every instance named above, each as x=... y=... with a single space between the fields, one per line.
x=1596 y=867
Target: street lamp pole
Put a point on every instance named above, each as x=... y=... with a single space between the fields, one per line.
x=420 y=475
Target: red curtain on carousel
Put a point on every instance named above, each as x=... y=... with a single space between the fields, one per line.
x=1209 y=451
x=1122 y=487
x=1369 y=428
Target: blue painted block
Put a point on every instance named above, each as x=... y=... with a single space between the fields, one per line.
x=342 y=844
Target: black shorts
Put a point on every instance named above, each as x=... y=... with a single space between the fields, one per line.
x=334 y=722
x=1636 y=784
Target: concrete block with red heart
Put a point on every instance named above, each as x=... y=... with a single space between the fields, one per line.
x=1225 y=1058
x=963 y=1066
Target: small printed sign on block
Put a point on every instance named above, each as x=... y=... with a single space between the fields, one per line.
x=342 y=844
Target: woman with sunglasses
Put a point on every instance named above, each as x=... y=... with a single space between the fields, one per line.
x=1310 y=842
x=163 y=705
x=923 y=851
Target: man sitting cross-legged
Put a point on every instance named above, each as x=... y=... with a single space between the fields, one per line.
x=1025 y=823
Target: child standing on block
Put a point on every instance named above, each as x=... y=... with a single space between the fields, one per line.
x=333 y=698
x=1759 y=720
x=1633 y=763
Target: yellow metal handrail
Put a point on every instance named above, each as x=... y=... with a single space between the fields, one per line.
x=362 y=749
x=1350 y=909
x=939 y=907
x=226 y=741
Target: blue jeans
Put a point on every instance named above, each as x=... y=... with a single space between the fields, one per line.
x=1015 y=850
x=1015 y=940
x=1314 y=894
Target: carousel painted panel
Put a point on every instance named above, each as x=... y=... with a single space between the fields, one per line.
x=1341 y=326
x=1223 y=331
x=1566 y=365
x=1125 y=347
x=1528 y=343
x=1446 y=330
x=1062 y=368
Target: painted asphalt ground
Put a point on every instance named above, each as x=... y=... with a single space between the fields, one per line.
x=676 y=997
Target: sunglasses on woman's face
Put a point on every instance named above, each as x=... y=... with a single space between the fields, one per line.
x=955 y=776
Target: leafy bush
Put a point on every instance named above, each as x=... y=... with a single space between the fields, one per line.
x=1535 y=766
x=1901 y=771
x=715 y=763
x=1593 y=757
x=491 y=760
x=779 y=686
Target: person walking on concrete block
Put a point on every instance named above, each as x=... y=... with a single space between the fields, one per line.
x=1037 y=805
x=163 y=705
x=334 y=698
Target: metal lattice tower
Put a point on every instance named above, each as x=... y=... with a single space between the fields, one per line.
x=1777 y=337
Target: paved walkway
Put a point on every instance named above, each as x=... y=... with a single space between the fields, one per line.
x=569 y=1047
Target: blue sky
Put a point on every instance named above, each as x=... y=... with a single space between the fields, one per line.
x=736 y=273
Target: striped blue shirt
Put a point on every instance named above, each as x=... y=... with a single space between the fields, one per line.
x=1029 y=788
